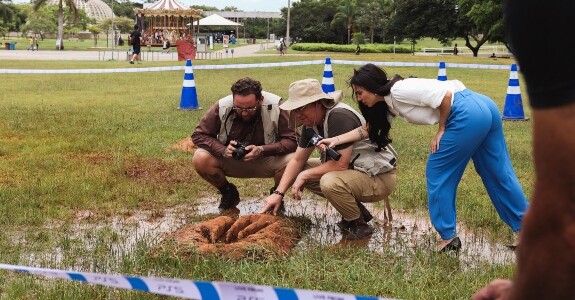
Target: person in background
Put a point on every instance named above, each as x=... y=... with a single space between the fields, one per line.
x=455 y=50
x=545 y=258
x=361 y=171
x=470 y=127
x=32 y=43
x=244 y=135
x=136 y=40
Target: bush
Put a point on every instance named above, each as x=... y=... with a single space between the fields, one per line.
x=367 y=48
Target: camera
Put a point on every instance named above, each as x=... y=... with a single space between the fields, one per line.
x=240 y=150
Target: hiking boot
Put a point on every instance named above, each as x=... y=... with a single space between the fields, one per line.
x=357 y=230
x=282 y=208
x=364 y=212
x=230 y=198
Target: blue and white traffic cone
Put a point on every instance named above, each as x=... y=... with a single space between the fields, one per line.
x=442 y=74
x=327 y=84
x=513 y=109
x=189 y=99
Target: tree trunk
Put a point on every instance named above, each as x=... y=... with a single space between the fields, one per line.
x=479 y=41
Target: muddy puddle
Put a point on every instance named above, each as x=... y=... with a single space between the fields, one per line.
x=405 y=234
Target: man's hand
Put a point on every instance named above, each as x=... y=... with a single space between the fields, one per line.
x=272 y=204
x=253 y=152
x=496 y=290
x=230 y=148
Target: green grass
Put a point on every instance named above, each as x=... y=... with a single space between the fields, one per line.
x=101 y=142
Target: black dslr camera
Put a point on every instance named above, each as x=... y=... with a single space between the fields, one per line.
x=240 y=151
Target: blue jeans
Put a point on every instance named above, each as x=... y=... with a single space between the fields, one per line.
x=473 y=130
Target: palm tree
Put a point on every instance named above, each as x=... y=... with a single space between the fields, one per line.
x=70 y=5
x=346 y=13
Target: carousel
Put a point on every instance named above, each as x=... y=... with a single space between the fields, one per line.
x=168 y=21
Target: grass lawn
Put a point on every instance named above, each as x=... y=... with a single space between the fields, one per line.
x=101 y=143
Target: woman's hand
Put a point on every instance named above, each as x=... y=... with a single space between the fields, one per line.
x=330 y=142
x=436 y=140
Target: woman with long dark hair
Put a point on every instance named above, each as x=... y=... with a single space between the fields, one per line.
x=470 y=127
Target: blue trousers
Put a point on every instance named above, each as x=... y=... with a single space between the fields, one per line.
x=473 y=131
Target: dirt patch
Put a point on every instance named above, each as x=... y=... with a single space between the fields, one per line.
x=249 y=235
x=185 y=145
x=156 y=171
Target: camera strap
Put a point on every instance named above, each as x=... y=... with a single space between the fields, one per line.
x=250 y=135
x=351 y=166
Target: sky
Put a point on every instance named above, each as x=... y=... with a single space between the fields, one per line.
x=245 y=5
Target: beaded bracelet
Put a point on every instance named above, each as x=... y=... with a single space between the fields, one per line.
x=279 y=193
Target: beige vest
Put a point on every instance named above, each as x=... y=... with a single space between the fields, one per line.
x=270 y=114
x=369 y=161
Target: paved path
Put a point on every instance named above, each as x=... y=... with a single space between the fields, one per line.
x=242 y=51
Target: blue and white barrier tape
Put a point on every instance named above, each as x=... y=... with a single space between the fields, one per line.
x=245 y=66
x=190 y=289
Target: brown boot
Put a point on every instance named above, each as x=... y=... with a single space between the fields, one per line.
x=358 y=229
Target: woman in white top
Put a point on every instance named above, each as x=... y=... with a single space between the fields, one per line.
x=470 y=127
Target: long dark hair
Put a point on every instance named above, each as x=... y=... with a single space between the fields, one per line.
x=374 y=80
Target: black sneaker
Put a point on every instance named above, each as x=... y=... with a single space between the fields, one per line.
x=453 y=246
x=230 y=198
x=357 y=230
x=131 y=62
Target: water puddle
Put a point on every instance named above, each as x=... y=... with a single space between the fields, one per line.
x=405 y=234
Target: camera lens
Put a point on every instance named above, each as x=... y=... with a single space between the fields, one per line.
x=239 y=153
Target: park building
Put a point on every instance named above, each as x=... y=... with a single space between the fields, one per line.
x=95 y=9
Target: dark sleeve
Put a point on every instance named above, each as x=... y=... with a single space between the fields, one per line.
x=288 y=140
x=548 y=73
x=205 y=135
x=341 y=121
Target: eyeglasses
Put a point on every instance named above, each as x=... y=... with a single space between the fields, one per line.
x=240 y=110
x=300 y=109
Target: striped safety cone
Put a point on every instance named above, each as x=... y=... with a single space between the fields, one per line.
x=327 y=84
x=513 y=109
x=189 y=99
x=441 y=74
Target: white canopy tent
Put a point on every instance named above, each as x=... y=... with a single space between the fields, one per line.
x=216 y=20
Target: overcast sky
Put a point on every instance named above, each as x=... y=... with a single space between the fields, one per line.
x=245 y=5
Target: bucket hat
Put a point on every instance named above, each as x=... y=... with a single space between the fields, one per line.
x=307 y=91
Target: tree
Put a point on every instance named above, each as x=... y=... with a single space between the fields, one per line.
x=95 y=30
x=372 y=16
x=484 y=22
x=345 y=15
x=41 y=20
x=6 y=12
x=122 y=23
x=415 y=19
x=71 y=7
x=310 y=21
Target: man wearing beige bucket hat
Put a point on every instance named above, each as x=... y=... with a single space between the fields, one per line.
x=357 y=174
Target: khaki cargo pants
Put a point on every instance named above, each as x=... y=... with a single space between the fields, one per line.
x=343 y=189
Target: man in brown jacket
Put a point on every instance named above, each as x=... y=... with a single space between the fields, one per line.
x=243 y=135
